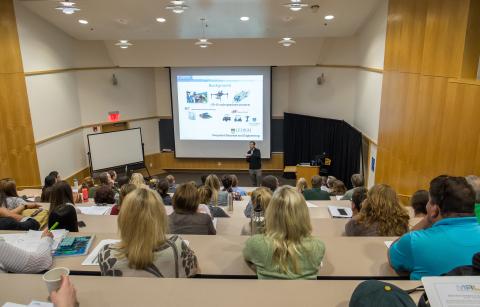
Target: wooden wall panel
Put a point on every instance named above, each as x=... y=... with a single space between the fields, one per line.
x=428 y=121
x=18 y=157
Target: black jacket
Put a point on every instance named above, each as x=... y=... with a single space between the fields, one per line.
x=8 y=223
x=255 y=160
x=66 y=216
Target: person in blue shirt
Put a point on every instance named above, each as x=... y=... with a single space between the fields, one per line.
x=446 y=238
x=235 y=187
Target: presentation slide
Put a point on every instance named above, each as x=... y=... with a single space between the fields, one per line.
x=218 y=111
x=228 y=107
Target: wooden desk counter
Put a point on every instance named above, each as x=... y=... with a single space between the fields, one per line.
x=129 y=291
x=222 y=255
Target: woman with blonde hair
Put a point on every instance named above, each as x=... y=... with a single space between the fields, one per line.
x=301 y=185
x=219 y=198
x=381 y=215
x=144 y=249
x=261 y=197
x=287 y=250
x=138 y=180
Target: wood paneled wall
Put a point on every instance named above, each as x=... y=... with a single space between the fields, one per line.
x=18 y=157
x=429 y=114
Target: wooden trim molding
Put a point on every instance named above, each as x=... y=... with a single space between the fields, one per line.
x=465 y=81
x=73 y=130
x=370 y=69
x=61 y=70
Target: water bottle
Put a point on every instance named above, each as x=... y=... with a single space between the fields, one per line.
x=230 y=202
x=258 y=221
x=75 y=185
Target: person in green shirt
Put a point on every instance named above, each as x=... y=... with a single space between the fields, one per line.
x=357 y=182
x=316 y=193
x=287 y=249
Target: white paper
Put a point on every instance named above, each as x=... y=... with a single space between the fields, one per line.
x=92 y=258
x=8 y=304
x=58 y=235
x=40 y=304
x=214 y=221
x=310 y=205
x=388 y=243
x=339 y=197
x=30 y=241
x=453 y=291
x=95 y=210
x=31 y=199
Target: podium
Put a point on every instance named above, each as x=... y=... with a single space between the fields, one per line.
x=307 y=172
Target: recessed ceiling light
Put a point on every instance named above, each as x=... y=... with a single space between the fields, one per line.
x=245 y=18
x=67 y=7
x=160 y=19
x=83 y=21
x=287 y=42
x=123 y=43
x=329 y=17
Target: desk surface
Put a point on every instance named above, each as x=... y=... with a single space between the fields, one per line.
x=222 y=255
x=129 y=291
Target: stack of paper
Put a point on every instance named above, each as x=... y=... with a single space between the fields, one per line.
x=95 y=210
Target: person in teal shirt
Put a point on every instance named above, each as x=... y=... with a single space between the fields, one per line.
x=316 y=193
x=446 y=238
x=287 y=249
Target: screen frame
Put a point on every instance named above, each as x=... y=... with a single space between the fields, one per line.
x=221 y=67
x=133 y=165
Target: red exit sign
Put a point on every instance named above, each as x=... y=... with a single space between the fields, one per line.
x=113 y=116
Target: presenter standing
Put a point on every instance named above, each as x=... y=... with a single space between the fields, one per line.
x=254 y=159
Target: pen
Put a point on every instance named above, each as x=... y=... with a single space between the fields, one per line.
x=54 y=226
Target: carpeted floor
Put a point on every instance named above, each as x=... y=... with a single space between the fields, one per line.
x=243 y=177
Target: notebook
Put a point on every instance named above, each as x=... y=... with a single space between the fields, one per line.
x=30 y=241
x=74 y=246
x=340 y=212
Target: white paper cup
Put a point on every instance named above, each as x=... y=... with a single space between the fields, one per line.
x=53 y=278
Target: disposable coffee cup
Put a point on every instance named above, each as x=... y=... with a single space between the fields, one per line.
x=53 y=278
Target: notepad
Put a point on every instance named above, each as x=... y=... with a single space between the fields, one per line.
x=340 y=212
x=96 y=210
x=92 y=258
x=310 y=205
x=30 y=241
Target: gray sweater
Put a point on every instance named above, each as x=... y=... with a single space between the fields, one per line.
x=191 y=224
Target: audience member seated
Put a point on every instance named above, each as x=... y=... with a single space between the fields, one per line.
x=126 y=188
x=287 y=250
x=146 y=251
x=113 y=176
x=203 y=178
x=467 y=270
x=138 y=180
x=13 y=219
x=301 y=185
x=185 y=218
x=123 y=180
x=235 y=187
x=204 y=198
x=9 y=188
x=327 y=183
x=49 y=181
x=270 y=182
x=227 y=182
x=338 y=188
x=62 y=209
x=105 y=179
x=357 y=182
x=104 y=196
x=219 y=198
x=15 y=260
x=260 y=199
x=316 y=192
x=56 y=175
x=358 y=196
x=381 y=215
x=446 y=238
x=419 y=203
x=172 y=186
x=162 y=189
x=89 y=184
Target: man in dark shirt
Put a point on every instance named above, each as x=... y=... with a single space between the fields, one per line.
x=254 y=159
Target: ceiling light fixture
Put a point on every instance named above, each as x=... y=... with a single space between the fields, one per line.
x=67 y=7
x=295 y=5
x=287 y=42
x=161 y=19
x=329 y=17
x=203 y=42
x=123 y=43
x=83 y=21
x=177 y=7
x=245 y=18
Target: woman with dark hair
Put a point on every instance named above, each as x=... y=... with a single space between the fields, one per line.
x=62 y=209
x=50 y=180
x=104 y=195
x=56 y=175
x=13 y=220
x=162 y=189
x=227 y=183
x=9 y=187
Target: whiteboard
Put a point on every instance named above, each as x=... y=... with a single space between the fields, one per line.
x=115 y=149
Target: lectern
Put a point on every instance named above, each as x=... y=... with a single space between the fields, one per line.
x=307 y=172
